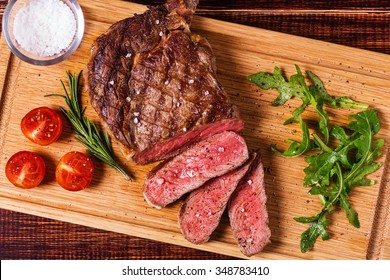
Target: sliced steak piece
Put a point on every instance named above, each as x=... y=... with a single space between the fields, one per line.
x=203 y=161
x=151 y=80
x=248 y=213
x=202 y=210
x=173 y=146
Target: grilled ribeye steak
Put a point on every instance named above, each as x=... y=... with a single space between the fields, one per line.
x=202 y=210
x=151 y=80
x=207 y=159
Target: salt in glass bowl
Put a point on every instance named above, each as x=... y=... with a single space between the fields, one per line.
x=8 y=25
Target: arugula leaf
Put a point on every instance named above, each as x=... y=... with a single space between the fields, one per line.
x=318 y=170
x=296 y=149
x=352 y=215
x=276 y=81
x=344 y=147
x=317 y=228
x=367 y=124
x=360 y=180
x=323 y=124
x=337 y=102
x=308 y=220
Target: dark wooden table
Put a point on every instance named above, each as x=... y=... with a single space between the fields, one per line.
x=357 y=23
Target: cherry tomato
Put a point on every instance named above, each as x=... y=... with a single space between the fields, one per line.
x=74 y=171
x=42 y=125
x=25 y=169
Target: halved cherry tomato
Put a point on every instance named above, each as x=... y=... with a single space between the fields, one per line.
x=25 y=169
x=74 y=171
x=42 y=125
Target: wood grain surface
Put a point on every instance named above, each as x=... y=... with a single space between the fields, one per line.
x=353 y=23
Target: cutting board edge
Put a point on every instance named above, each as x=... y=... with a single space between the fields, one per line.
x=122 y=227
x=382 y=213
x=6 y=56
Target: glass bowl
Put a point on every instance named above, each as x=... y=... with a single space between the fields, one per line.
x=8 y=26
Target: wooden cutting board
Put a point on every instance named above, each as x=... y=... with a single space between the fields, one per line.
x=114 y=204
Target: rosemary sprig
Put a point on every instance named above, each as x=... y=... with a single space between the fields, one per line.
x=97 y=142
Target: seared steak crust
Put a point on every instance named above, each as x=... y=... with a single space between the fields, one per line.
x=151 y=80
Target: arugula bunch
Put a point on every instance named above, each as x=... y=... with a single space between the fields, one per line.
x=331 y=173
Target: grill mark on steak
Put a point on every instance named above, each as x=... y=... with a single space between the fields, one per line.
x=205 y=160
x=248 y=213
x=151 y=80
x=202 y=210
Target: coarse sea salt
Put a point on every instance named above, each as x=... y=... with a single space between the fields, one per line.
x=44 y=27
